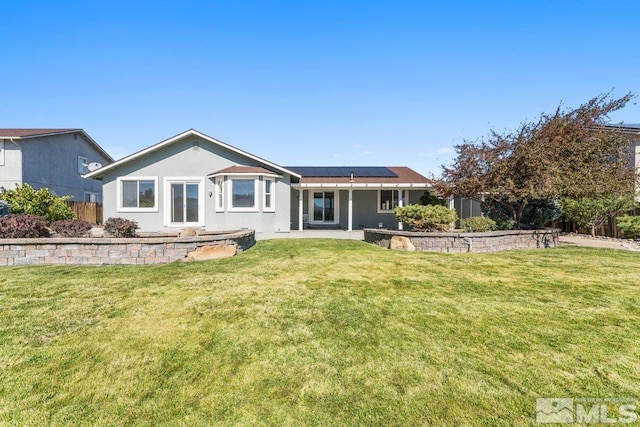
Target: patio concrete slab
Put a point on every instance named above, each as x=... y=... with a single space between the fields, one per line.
x=314 y=234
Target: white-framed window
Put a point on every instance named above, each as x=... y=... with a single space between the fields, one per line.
x=387 y=200
x=82 y=165
x=219 y=194
x=137 y=194
x=1 y=152
x=184 y=201
x=269 y=194
x=243 y=194
x=90 y=196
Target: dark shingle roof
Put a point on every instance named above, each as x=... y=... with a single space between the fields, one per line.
x=22 y=133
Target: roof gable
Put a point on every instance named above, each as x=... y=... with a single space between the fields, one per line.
x=27 y=133
x=191 y=132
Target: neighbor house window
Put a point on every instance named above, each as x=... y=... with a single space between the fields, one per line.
x=243 y=194
x=82 y=165
x=219 y=194
x=387 y=200
x=269 y=188
x=90 y=197
x=138 y=194
x=1 y=153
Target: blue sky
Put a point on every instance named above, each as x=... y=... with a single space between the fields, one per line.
x=311 y=82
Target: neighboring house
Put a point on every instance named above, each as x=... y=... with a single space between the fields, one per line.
x=194 y=180
x=53 y=158
x=632 y=131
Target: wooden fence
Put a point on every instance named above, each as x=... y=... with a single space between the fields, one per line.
x=609 y=229
x=87 y=211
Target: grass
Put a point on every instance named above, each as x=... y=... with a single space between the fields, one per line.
x=319 y=332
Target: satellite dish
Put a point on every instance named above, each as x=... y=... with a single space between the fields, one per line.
x=93 y=166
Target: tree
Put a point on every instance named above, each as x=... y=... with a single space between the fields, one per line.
x=564 y=154
x=25 y=200
x=595 y=212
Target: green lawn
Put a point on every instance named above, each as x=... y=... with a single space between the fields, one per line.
x=319 y=332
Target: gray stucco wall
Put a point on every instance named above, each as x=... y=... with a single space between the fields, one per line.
x=196 y=157
x=52 y=162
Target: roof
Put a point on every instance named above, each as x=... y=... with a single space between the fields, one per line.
x=24 y=133
x=98 y=173
x=398 y=175
x=625 y=127
x=343 y=171
x=243 y=170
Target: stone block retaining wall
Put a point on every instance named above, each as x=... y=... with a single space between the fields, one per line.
x=109 y=251
x=491 y=241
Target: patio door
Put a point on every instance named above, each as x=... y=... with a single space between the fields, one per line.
x=185 y=202
x=325 y=207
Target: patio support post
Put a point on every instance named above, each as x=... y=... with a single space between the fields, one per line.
x=350 y=225
x=300 y=208
x=400 y=203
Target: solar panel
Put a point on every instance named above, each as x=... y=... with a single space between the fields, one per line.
x=343 y=171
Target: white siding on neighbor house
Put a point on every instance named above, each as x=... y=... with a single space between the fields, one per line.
x=196 y=157
x=11 y=168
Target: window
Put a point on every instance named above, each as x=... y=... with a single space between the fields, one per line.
x=387 y=200
x=269 y=188
x=243 y=194
x=219 y=194
x=82 y=165
x=1 y=153
x=137 y=194
x=90 y=197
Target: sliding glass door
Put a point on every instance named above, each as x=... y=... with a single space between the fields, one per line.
x=324 y=207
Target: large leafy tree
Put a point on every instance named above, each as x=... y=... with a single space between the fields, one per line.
x=567 y=153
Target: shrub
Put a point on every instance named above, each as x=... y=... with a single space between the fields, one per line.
x=426 y=218
x=5 y=208
x=478 y=223
x=629 y=225
x=25 y=200
x=536 y=213
x=71 y=227
x=120 y=227
x=22 y=226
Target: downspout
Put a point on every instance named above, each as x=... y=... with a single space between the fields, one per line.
x=469 y=242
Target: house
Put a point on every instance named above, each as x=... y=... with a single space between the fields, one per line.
x=52 y=158
x=632 y=132
x=194 y=180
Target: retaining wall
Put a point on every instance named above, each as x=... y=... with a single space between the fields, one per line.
x=110 y=251
x=491 y=241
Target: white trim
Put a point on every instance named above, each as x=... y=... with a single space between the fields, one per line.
x=256 y=195
x=119 y=181
x=336 y=208
x=190 y=132
x=219 y=193
x=167 y=200
x=271 y=208
x=82 y=161
x=2 y=152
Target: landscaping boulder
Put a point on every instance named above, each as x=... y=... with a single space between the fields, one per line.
x=188 y=232
x=204 y=253
x=402 y=243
